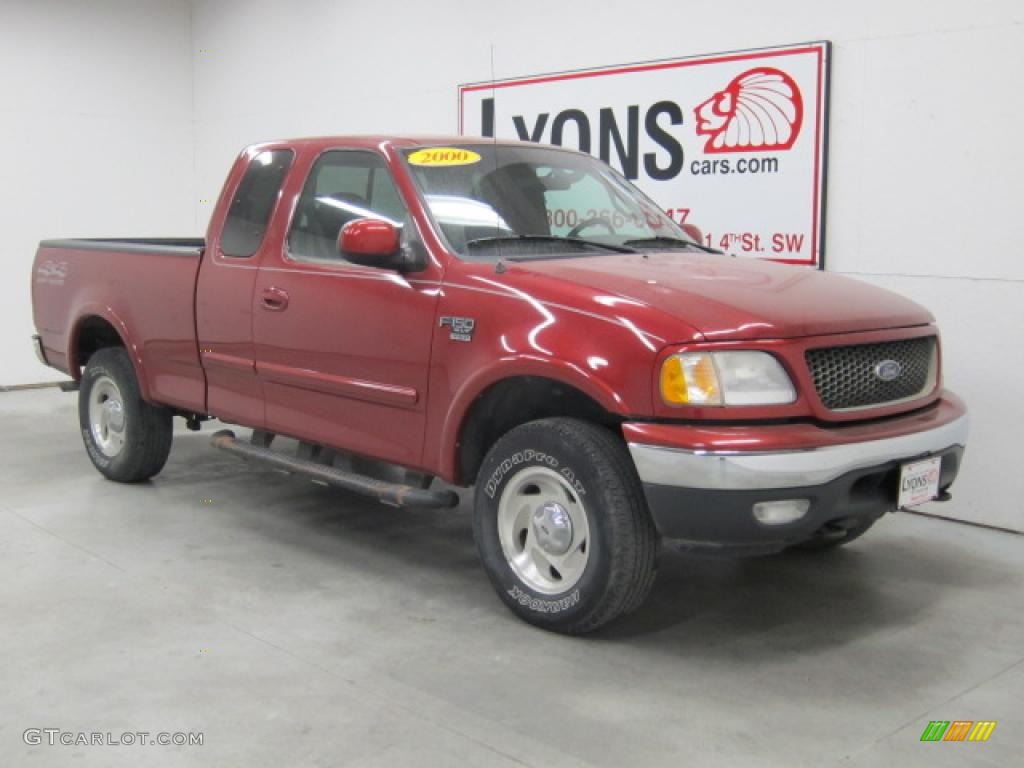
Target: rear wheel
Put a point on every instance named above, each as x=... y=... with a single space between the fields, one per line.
x=127 y=439
x=562 y=526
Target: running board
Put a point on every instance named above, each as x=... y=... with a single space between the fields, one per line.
x=394 y=494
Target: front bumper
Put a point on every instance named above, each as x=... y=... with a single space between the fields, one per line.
x=701 y=484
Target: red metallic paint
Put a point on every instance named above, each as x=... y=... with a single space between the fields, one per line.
x=92 y=310
x=759 y=438
x=146 y=298
x=368 y=237
x=224 y=307
x=347 y=363
x=732 y=299
x=356 y=359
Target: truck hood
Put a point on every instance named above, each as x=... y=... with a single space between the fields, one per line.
x=726 y=298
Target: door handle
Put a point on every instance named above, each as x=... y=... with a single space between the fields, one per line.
x=274 y=299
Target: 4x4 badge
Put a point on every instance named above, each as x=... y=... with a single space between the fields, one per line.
x=462 y=327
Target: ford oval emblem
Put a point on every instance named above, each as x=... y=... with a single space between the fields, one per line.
x=889 y=370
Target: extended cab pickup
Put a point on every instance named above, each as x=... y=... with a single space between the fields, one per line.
x=518 y=318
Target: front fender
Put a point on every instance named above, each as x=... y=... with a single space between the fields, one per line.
x=525 y=325
x=570 y=374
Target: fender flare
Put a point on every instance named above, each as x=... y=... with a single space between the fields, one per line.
x=511 y=367
x=107 y=314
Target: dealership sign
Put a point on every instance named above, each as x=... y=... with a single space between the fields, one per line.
x=733 y=143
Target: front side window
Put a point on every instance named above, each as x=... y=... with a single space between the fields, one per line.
x=343 y=185
x=249 y=213
x=495 y=201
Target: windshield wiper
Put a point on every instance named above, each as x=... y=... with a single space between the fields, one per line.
x=671 y=242
x=577 y=241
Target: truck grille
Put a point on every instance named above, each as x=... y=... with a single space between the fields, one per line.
x=854 y=376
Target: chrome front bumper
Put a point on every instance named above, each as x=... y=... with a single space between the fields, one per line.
x=741 y=471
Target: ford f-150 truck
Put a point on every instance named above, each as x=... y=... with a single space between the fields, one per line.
x=516 y=318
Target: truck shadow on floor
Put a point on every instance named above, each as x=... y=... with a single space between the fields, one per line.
x=714 y=606
x=821 y=598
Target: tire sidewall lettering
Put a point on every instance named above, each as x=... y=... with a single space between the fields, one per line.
x=541 y=605
x=590 y=463
x=525 y=456
x=515 y=590
x=573 y=480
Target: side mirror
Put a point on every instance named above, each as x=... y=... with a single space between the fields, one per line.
x=371 y=242
x=694 y=231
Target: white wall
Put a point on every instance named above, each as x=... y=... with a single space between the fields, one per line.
x=96 y=137
x=925 y=174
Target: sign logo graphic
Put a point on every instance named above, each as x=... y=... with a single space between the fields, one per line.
x=734 y=143
x=958 y=730
x=761 y=109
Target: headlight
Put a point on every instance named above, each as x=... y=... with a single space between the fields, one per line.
x=725 y=378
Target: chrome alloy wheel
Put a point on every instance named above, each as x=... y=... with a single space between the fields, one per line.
x=543 y=530
x=106 y=416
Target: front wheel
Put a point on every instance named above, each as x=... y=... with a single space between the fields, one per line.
x=562 y=526
x=127 y=439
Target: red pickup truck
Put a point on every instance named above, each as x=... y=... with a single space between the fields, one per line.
x=516 y=318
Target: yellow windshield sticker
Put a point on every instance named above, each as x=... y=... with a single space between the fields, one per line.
x=443 y=156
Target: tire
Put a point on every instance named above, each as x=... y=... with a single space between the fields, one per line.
x=562 y=526
x=127 y=439
x=825 y=543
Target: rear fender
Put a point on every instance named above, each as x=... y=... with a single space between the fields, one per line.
x=107 y=314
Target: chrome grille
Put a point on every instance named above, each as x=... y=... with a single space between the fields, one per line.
x=849 y=377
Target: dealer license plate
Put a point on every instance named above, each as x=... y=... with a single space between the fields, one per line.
x=919 y=482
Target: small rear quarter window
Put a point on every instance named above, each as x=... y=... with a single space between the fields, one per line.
x=249 y=213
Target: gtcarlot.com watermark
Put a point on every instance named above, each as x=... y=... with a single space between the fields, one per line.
x=57 y=737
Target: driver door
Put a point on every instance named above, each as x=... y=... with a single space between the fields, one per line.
x=343 y=350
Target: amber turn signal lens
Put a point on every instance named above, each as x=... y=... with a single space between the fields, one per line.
x=673 y=382
x=690 y=379
x=732 y=377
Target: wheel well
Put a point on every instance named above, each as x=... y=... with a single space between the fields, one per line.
x=94 y=334
x=508 y=403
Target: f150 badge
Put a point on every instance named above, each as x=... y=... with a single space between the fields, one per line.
x=461 y=327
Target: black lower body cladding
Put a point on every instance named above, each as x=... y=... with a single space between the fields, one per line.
x=723 y=519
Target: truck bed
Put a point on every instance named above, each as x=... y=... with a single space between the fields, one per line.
x=144 y=288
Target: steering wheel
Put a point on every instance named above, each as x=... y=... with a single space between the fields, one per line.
x=593 y=221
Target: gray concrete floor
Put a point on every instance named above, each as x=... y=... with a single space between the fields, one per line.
x=295 y=625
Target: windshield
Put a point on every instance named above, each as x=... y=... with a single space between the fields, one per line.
x=494 y=201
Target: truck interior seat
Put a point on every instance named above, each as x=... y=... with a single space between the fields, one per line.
x=515 y=192
x=316 y=233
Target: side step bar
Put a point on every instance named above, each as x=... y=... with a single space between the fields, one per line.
x=394 y=494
